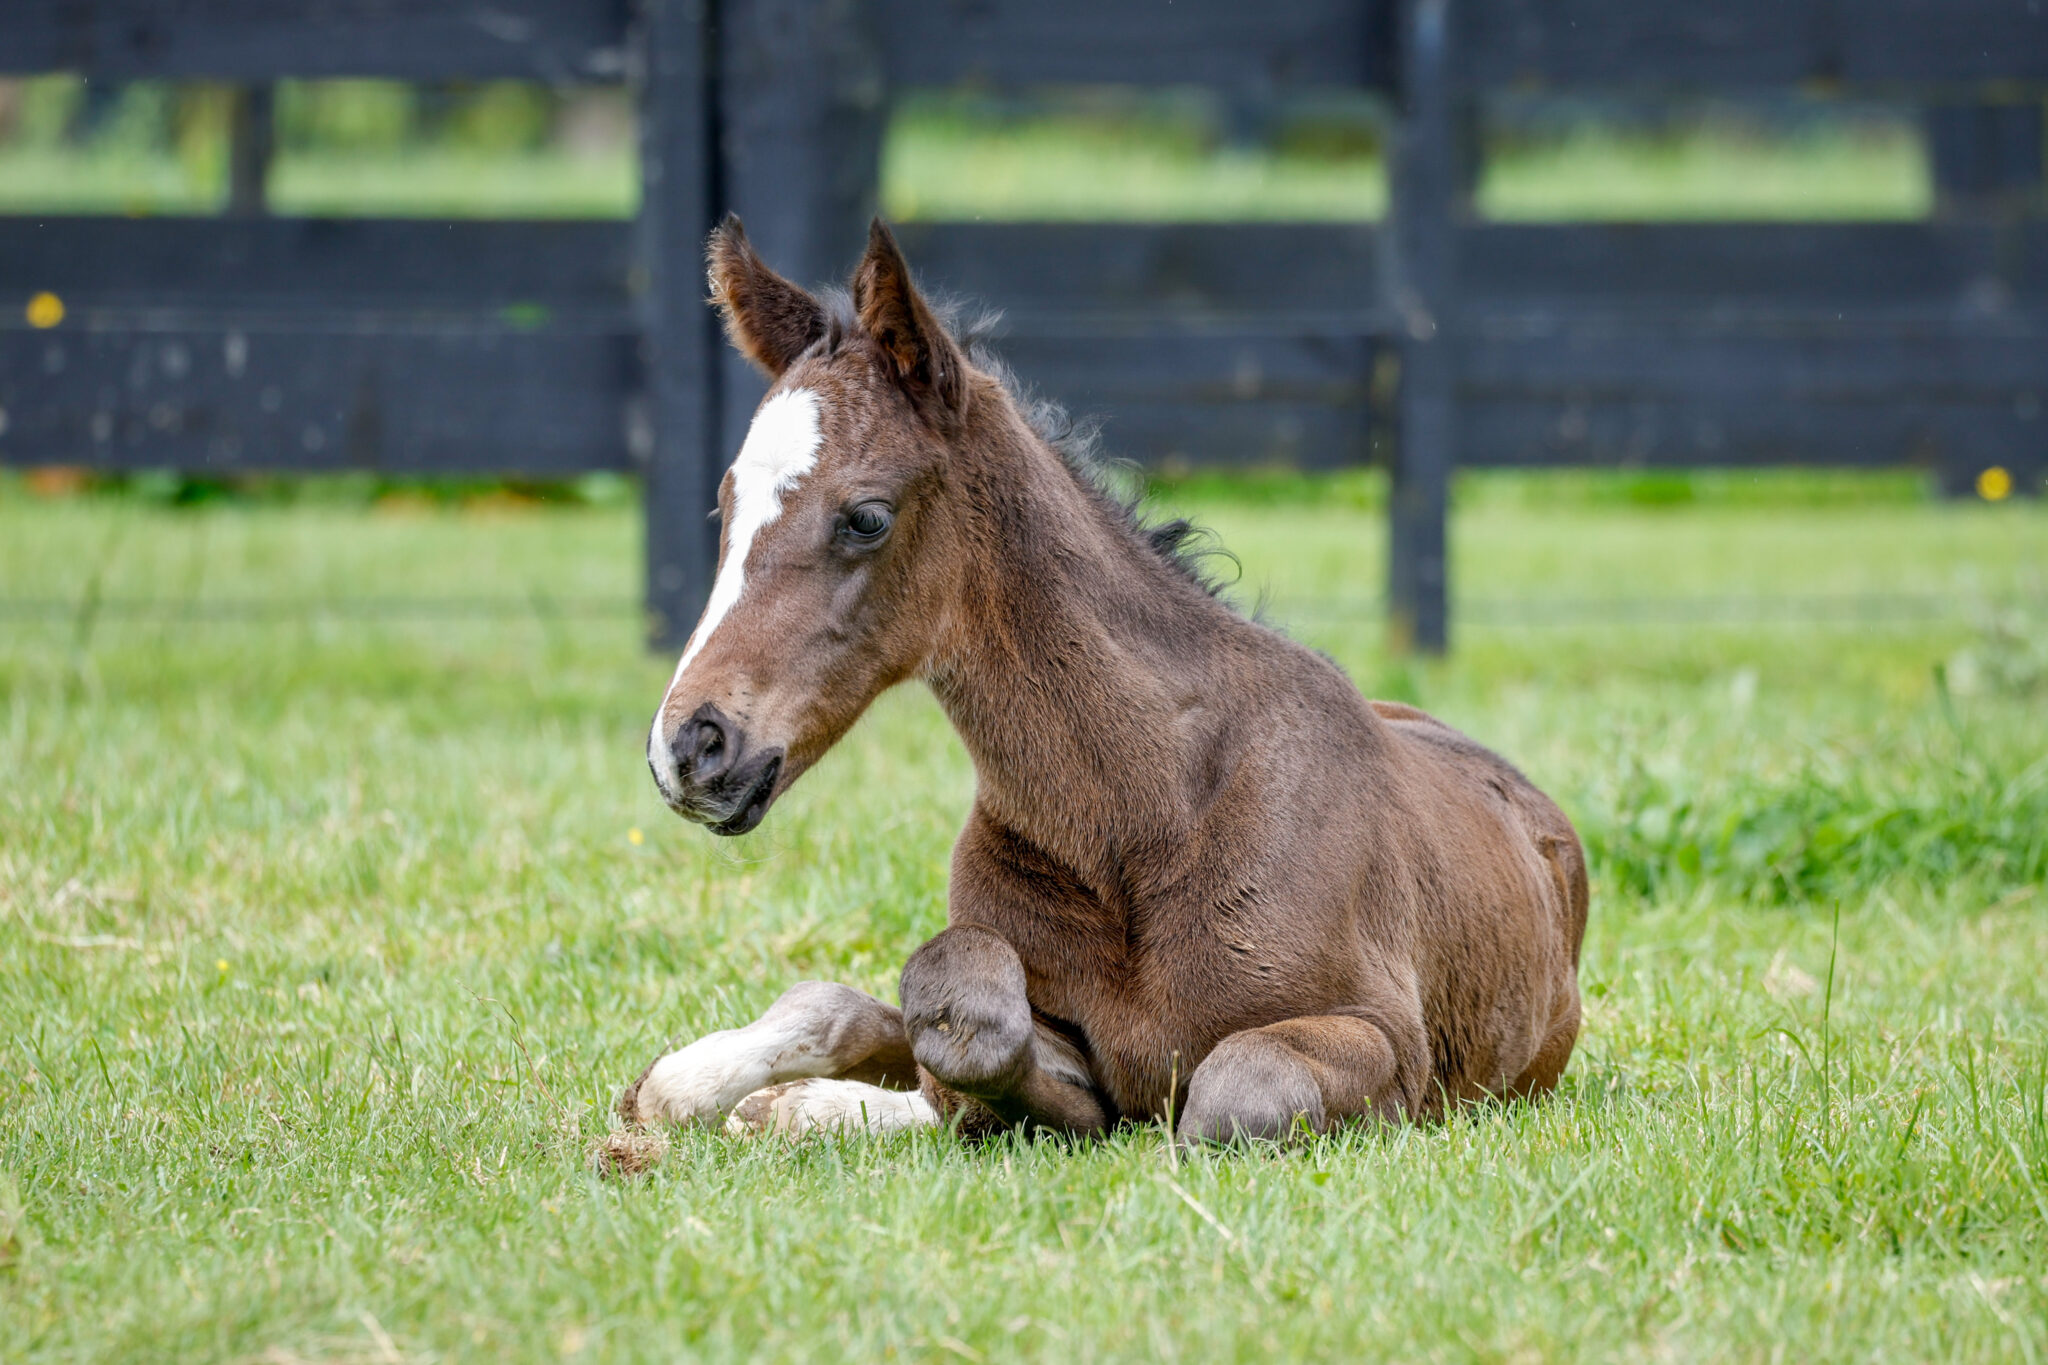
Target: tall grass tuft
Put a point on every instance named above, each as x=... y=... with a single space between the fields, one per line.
x=1927 y=807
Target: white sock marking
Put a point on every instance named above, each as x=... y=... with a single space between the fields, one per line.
x=832 y=1105
x=702 y=1082
x=781 y=447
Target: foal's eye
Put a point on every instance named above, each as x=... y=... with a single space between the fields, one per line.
x=869 y=522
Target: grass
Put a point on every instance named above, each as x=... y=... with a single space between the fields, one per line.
x=1087 y=155
x=347 y=148
x=940 y=162
x=329 y=940
x=951 y=159
x=1720 y=173
x=452 y=183
x=417 y=183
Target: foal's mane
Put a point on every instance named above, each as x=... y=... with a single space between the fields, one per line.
x=1178 y=543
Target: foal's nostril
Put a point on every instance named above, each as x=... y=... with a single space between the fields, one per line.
x=702 y=748
x=709 y=741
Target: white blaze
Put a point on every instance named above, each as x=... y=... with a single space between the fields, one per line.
x=781 y=447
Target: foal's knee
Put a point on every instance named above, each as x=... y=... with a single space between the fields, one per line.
x=1251 y=1086
x=966 y=1012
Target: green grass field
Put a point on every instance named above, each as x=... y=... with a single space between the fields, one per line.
x=329 y=939
x=1085 y=155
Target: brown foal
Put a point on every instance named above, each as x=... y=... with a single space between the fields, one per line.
x=1203 y=877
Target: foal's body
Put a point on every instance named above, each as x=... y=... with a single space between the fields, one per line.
x=1202 y=876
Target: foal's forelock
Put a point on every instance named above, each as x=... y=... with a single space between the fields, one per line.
x=780 y=449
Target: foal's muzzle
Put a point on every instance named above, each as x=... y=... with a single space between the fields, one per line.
x=707 y=772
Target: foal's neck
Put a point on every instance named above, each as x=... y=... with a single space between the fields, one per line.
x=1085 y=674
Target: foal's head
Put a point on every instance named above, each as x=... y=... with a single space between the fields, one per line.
x=838 y=545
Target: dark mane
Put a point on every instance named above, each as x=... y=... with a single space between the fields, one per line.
x=1180 y=544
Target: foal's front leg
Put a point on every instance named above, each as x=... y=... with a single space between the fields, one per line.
x=817 y=1029
x=971 y=1028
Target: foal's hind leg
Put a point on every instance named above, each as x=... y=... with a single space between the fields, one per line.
x=815 y=1029
x=1541 y=1075
x=1320 y=1070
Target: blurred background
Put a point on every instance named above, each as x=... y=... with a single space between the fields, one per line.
x=1276 y=253
x=514 y=149
x=1657 y=351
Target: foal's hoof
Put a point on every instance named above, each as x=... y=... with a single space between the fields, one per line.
x=966 y=1012
x=669 y=1092
x=629 y=1098
x=695 y=1085
x=1244 y=1091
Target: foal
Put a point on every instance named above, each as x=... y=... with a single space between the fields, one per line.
x=1202 y=876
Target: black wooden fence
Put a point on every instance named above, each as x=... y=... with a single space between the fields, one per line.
x=258 y=343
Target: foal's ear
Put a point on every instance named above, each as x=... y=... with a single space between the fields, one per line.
x=769 y=320
x=927 y=362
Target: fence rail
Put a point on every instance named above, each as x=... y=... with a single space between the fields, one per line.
x=1431 y=339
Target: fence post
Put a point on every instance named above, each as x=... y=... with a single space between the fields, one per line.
x=802 y=103
x=1987 y=157
x=1425 y=184
x=251 y=138
x=1987 y=168
x=679 y=171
